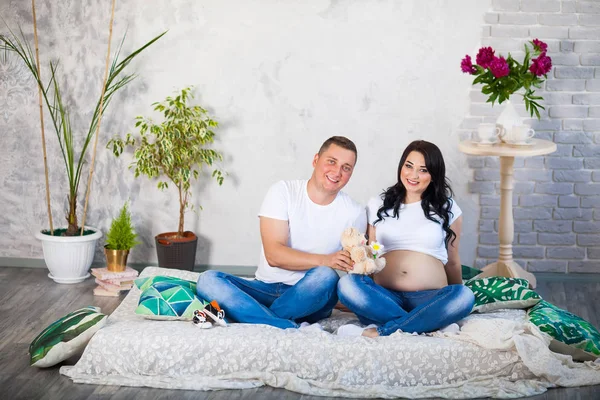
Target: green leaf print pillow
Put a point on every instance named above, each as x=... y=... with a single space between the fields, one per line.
x=496 y=292
x=65 y=337
x=572 y=334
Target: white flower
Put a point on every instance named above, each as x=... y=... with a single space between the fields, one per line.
x=376 y=248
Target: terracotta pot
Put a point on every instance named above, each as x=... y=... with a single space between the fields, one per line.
x=116 y=260
x=174 y=252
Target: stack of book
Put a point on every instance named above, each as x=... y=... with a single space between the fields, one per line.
x=112 y=283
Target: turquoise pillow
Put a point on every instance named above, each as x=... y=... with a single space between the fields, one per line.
x=65 y=337
x=169 y=300
x=145 y=283
x=568 y=329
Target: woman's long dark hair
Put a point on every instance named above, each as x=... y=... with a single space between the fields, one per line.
x=435 y=200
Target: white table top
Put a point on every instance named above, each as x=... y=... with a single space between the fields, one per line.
x=537 y=147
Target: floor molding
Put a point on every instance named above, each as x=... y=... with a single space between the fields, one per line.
x=237 y=270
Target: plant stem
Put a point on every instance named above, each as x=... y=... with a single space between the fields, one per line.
x=89 y=183
x=181 y=211
x=37 y=61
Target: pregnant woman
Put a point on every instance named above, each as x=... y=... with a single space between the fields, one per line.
x=419 y=224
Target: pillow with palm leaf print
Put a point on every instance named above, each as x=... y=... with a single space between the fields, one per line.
x=65 y=337
x=572 y=334
x=496 y=292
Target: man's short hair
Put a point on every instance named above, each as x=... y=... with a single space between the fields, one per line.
x=341 y=141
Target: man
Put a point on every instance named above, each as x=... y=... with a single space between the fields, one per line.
x=301 y=223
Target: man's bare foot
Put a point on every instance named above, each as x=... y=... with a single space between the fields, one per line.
x=371 y=332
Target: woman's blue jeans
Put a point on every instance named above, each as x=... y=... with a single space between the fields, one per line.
x=276 y=304
x=420 y=311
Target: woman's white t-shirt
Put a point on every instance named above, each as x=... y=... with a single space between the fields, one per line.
x=313 y=228
x=411 y=230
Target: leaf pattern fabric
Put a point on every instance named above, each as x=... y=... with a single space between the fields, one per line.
x=565 y=327
x=65 y=337
x=497 y=292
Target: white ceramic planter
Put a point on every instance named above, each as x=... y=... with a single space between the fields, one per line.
x=69 y=257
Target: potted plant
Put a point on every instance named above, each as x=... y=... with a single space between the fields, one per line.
x=174 y=150
x=120 y=238
x=502 y=77
x=69 y=252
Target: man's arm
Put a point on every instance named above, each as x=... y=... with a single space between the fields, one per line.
x=453 y=266
x=275 y=233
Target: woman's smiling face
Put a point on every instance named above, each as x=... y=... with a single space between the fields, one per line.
x=414 y=176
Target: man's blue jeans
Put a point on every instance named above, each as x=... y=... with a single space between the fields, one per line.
x=276 y=304
x=420 y=311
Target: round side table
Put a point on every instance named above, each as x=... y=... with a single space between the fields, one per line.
x=506 y=266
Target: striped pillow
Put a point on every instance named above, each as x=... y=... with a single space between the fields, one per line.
x=65 y=337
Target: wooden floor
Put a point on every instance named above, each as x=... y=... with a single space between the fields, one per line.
x=29 y=301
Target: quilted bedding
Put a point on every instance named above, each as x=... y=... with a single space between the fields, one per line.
x=497 y=354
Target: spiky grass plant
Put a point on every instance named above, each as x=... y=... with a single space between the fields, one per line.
x=59 y=115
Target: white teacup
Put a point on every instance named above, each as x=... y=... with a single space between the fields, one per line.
x=519 y=134
x=488 y=132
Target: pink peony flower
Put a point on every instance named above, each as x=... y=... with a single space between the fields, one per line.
x=499 y=67
x=540 y=46
x=467 y=66
x=541 y=65
x=485 y=56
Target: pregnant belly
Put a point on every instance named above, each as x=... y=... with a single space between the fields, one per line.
x=411 y=271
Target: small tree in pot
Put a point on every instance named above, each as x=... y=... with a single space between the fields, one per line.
x=176 y=150
x=120 y=238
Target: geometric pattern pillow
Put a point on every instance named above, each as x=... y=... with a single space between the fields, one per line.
x=168 y=300
x=65 y=337
x=145 y=283
x=496 y=292
x=566 y=328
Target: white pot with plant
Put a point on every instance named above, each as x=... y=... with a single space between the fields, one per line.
x=120 y=239
x=174 y=151
x=69 y=251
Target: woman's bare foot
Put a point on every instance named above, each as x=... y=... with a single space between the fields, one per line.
x=371 y=332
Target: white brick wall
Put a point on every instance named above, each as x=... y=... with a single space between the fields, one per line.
x=557 y=197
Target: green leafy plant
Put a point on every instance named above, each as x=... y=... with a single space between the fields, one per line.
x=121 y=235
x=74 y=158
x=174 y=149
x=502 y=77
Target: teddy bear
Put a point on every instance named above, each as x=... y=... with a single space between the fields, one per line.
x=365 y=257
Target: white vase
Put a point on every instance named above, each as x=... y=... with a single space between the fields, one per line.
x=69 y=257
x=508 y=118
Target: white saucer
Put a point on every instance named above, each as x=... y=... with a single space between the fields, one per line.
x=485 y=143
x=520 y=144
x=69 y=280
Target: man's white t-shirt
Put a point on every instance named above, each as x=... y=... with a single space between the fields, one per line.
x=411 y=230
x=313 y=228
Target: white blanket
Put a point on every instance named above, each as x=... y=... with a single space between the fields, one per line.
x=497 y=355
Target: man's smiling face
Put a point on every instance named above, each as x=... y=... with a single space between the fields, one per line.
x=333 y=168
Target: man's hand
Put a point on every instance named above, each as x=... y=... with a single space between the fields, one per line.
x=339 y=260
